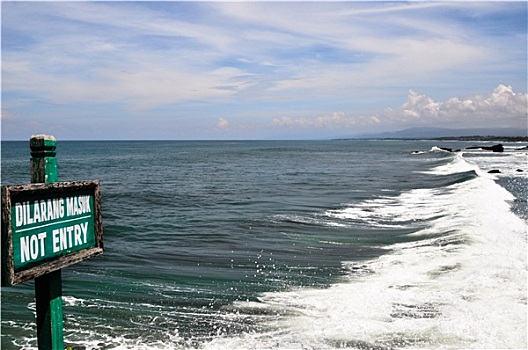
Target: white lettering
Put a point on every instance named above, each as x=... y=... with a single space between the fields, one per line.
x=69 y=229
x=43 y=212
x=68 y=237
x=36 y=211
x=19 y=210
x=56 y=240
x=29 y=219
x=33 y=247
x=71 y=206
x=84 y=228
x=24 y=249
x=49 y=207
x=63 y=239
x=77 y=234
x=78 y=205
x=86 y=204
x=41 y=236
x=58 y=208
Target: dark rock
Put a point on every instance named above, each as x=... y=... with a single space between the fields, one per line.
x=447 y=149
x=494 y=148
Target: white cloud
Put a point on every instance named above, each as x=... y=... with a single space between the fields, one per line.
x=89 y=64
x=222 y=123
x=136 y=86
x=383 y=53
x=8 y=116
x=334 y=120
x=257 y=59
x=500 y=108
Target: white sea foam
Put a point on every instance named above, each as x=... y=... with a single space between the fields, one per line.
x=465 y=289
x=392 y=212
x=509 y=163
x=461 y=284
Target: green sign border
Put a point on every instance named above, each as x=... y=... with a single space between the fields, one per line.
x=31 y=192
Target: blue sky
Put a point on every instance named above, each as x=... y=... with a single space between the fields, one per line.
x=259 y=70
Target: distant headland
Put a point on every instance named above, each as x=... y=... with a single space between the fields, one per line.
x=483 y=138
x=443 y=134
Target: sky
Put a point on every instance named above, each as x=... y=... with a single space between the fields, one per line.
x=259 y=70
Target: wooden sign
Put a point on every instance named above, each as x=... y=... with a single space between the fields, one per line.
x=46 y=227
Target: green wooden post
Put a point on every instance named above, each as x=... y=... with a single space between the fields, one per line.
x=48 y=287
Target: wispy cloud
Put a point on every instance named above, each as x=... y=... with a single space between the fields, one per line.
x=256 y=61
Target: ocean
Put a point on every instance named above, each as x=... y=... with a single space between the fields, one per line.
x=357 y=244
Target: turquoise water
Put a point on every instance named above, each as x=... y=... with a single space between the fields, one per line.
x=289 y=245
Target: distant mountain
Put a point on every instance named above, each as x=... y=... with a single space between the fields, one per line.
x=429 y=133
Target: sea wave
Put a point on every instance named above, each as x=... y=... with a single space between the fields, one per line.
x=304 y=246
x=460 y=283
